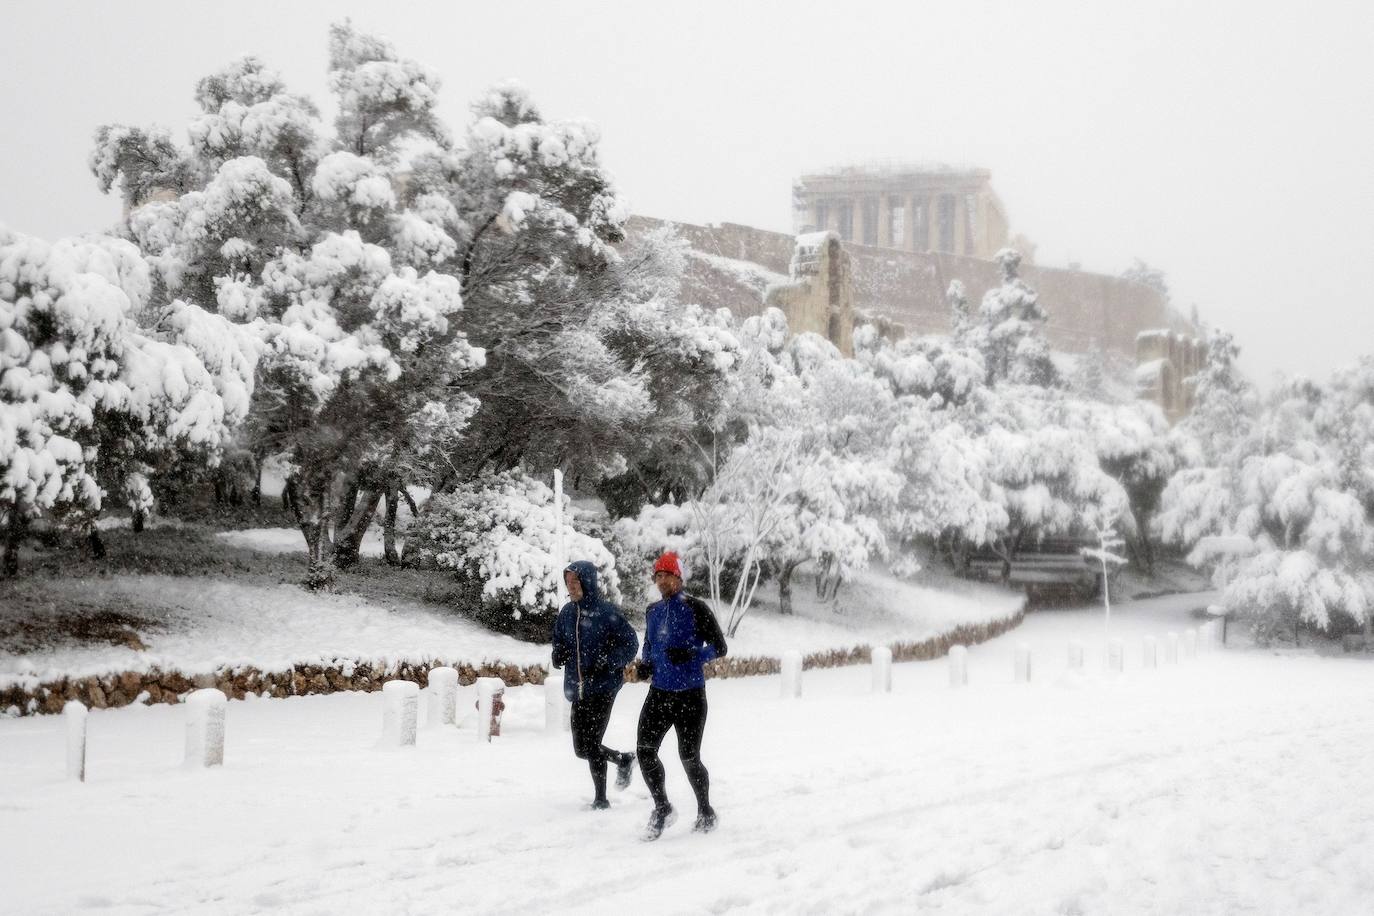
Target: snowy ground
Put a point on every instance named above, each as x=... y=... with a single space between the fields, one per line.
x=289 y=540
x=198 y=624
x=1232 y=782
x=875 y=608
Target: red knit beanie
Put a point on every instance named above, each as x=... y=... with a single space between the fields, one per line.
x=668 y=563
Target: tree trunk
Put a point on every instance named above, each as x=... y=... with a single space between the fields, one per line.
x=348 y=537
x=137 y=521
x=785 y=587
x=389 y=553
x=822 y=570
x=14 y=536
x=310 y=500
x=257 y=482
x=96 y=543
x=350 y=502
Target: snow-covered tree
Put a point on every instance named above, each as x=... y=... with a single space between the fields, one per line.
x=98 y=387
x=1284 y=483
x=1211 y=442
x=1135 y=447
x=1049 y=481
x=734 y=517
x=1010 y=331
x=352 y=255
x=834 y=518
x=1145 y=275
x=563 y=316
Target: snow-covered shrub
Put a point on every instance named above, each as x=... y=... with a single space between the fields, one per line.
x=500 y=535
x=645 y=536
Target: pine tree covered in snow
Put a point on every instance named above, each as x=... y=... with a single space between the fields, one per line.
x=101 y=387
x=351 y=257
x=1010 y=329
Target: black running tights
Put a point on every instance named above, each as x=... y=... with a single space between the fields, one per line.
x=684 y=710
x=590 y=716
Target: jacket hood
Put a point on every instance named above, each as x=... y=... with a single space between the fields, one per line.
x=586 y=575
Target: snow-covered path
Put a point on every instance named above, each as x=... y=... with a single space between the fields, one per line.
x=1233 y=782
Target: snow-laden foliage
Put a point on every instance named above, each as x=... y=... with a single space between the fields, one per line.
x=1286 y=484
x=643 y=537
x=1009 y=329
x=90 y=401
x=350 y=255
x=501 y=534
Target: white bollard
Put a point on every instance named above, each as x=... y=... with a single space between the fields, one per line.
x=490 y=703
x=75 y=714
x=205 y=727
x=1023 y=663
x=1115 y=655
x=1190 y=643
x=882 y=669
x=557 y=709
x=1075 y=655
x=1150 y=652
x=400 y=709
x=958 y=666
x=792 y=673
x=443 y=686
x=1171 y=648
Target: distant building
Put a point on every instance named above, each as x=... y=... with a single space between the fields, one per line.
x=907 y=207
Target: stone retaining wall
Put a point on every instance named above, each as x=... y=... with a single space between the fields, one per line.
x=114 y=690
x=935 y=647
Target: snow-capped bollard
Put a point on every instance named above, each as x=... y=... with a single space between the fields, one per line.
x=1115 y=655
x=443 y=685
x=791 y=673
x=75 y=715
x=1023 y=663
x=882 y=669
x=958 y=666
x=1190 y=643
x=400 y=709
x=491 y=692
x=557 y=710
x=1150 y=652
x=1171 y=648
x=1075 y=655
x=205 y=727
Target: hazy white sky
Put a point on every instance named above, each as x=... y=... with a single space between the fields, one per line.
x=1230 y=144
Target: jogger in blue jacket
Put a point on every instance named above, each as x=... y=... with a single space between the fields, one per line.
x=594 y=641
x=681 y=636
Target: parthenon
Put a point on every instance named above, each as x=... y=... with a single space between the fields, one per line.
x=908 y=207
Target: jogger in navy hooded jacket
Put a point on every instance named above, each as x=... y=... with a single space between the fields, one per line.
x=681 y=636
x=594 y=641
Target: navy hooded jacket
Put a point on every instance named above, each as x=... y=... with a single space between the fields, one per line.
x=592 y=638
x=681 y=626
